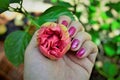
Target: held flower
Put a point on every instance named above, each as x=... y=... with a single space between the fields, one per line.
x=53 y=40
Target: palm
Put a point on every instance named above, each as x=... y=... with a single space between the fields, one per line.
x=40 y=68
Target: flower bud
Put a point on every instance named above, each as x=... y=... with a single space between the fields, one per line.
x=53 y=40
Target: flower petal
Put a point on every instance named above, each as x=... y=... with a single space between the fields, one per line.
x=53 y=40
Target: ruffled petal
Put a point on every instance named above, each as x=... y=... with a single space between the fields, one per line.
x=53 y=40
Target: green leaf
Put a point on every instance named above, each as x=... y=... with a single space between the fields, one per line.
x=118 y=78
x=92 y=9
x=4 y=5
x=105 y=26
x=53 y=13
x=78 y=14
x=110 y=69
x=116 y=39
x=118 y=50
x=111 y=78
x=109 y=14
x=115 y=6
x=115 y=25
x=95 y=37
x=104 y=15
x=53 y=1
x=109 y=49
x=15 y=45
x=95 y=2
x=15 y=1
x=91 y=21
x=64 y=4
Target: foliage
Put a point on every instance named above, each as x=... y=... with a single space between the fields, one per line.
x=53 y=13
x=17 y=43
x=4 y=6
x=103 y=25
x=109 y=70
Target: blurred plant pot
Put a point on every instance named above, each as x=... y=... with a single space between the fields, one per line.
x=7 y=70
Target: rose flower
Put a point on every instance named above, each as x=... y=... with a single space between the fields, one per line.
x=53 y=40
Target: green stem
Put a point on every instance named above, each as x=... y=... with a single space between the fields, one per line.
x=75 y=6
x=36 y=25
x=27 y=29
x=21 y=4
x=32 y=21
x=24 y=12
x=81 y=23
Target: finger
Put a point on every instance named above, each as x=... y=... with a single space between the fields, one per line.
x=79 y=39
x=86 y=49
x=92 y=57
x=65 y=20
x=87 y=60
x=85 y=63
x=75 y=27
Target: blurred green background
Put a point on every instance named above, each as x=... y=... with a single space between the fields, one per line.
x=101 y=18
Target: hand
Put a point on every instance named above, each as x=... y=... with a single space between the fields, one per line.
x=77 y=64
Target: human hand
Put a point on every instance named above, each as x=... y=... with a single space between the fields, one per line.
x=76 y=64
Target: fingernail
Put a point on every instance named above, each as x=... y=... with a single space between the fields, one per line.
x=64 y=22
x=72 y=31
x=75 y=43
x=80 y=52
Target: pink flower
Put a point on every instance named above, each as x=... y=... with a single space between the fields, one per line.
x=53 y=40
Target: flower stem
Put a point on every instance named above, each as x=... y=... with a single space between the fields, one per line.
x=22 y=10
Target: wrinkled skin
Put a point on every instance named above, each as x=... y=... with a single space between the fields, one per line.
x=53 y=40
